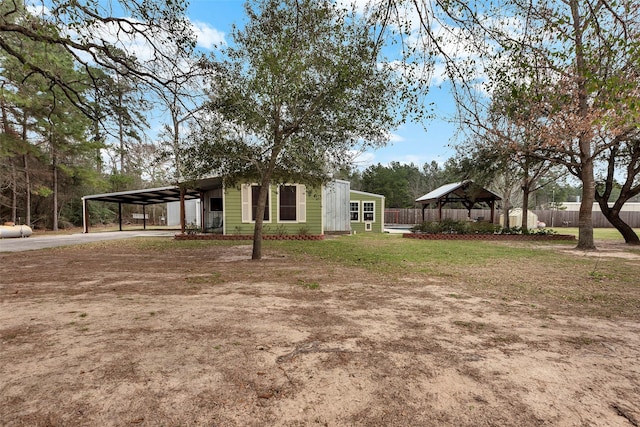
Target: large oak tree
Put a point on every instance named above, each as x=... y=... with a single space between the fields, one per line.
x=298 y=88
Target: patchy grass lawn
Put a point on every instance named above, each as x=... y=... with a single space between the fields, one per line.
x=367 y=330
x=547 y=274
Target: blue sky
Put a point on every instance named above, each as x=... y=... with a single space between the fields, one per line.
x=411 y=143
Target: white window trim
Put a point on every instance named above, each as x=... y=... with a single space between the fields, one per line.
x=359 y=210
x=373 y=212
x=301 y=204
x=247 y=204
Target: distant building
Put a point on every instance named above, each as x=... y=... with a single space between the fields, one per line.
x=575 y=206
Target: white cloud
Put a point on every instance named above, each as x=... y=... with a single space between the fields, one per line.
x=362 y=160
x=393 y=138
x=37 y=9
x=207 y=36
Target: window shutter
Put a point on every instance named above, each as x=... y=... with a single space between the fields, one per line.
x=245 y=195
x=302 y=203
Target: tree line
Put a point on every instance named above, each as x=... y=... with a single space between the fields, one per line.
x=402 y=184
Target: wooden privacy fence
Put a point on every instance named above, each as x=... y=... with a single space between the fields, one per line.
x=552 y=218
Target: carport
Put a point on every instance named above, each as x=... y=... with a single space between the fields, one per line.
x=466 y=192
x=149 y=196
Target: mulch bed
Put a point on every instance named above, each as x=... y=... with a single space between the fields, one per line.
x=508 y=237
x=248 y=237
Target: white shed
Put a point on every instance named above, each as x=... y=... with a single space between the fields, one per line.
x=515 y=218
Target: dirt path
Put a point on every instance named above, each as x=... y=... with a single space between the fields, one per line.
x=205 y=337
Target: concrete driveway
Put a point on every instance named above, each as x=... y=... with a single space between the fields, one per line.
x=40 y=242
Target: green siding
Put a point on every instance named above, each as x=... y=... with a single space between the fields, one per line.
x=233 y=214
x=377 y=226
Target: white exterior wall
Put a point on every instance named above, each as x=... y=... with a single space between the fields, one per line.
x=336 y=206
x=192 y=208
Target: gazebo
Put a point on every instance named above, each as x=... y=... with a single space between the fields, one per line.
x=466 y=192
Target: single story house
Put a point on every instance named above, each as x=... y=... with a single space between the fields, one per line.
x=213 y=207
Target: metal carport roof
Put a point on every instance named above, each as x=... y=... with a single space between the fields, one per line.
x=147 y=196
x=150 y=196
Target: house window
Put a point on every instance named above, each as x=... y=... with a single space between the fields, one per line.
x=215 y=204
x=368 y=211
x=354 y=211
x=255 y=192
x=288 y=203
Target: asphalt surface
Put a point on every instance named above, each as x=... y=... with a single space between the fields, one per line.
x=40 y=242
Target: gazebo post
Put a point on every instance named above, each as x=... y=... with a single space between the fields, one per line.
x=492 y=204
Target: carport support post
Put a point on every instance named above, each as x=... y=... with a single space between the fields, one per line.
x=182 y=225
x=85 y=215
x=202 y=211
x=144 y=218
x=120 y=215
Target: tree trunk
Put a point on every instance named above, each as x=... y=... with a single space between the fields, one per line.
x=14 y=193
x=526 y=189
x=585 y=223
x=27 y=176
x=613 y=216
x=27 y=190
x=260 y=210
x=603 y=195
x=525 y=206
x=55 y=194
x=506 y=224
x=267 y=174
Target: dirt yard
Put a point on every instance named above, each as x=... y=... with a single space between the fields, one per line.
x=110 y=335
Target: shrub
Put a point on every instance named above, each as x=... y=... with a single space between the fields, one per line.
x=482 y=227
x=543 y=232
x=192 y=229
x=303 y=231
x=428 y=228
x=511 y=230
x=446 y=226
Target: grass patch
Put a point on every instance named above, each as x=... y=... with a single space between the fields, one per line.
x=211 y=279
x=610 y=234
x=534 y=276
x=471 y=326
x=308 y=285
x=385 y=253
x=527 y=274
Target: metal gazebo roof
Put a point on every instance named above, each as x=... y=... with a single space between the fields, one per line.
x=459 y=192
x=466 y=192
